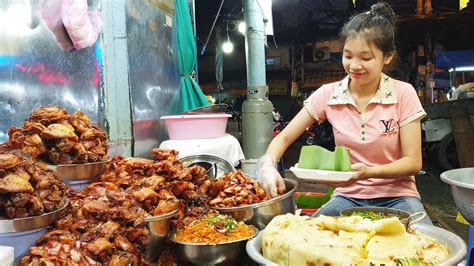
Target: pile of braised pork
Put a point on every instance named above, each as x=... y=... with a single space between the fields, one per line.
x=26 y=188
x=106 y=222
x=236 y=189
x=64 y=138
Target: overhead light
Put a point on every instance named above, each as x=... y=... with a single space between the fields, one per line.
x=15 y=20
x=227 y=47
x=450 y=70
x=242 y=27
x=466 y=68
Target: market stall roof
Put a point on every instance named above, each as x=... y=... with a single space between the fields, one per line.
x=455 y=58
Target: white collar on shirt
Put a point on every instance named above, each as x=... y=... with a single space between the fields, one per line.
x=385 y=94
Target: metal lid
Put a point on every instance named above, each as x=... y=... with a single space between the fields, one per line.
x=215 y=165
x=215 y=108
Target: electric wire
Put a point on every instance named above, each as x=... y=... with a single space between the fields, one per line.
x=212 y=28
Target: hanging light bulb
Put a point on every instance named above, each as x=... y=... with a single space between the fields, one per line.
x=227 y=47
x=242 y=27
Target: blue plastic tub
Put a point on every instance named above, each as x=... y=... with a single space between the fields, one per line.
x=21 y=241
x=78 y=185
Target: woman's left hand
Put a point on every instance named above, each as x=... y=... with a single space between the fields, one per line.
x=361 y=172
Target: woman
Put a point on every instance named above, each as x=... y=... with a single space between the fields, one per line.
x=376 y=117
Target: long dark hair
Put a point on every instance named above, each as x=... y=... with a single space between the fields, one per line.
x=376 y=26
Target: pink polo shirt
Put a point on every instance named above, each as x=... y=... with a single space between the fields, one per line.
x=373 y=137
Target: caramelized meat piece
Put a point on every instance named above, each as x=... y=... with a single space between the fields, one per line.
x=144 y=194
x=9 y=160
x=95 y=208
x=99 y=245
x=48 y=114
x=15 y=183
x=60 y=131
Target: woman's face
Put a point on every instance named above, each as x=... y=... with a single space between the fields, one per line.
x=363 y=62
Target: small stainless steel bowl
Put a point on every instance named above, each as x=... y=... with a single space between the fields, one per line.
x=260 y=214
x=86 y=171
x=405 y=217
x=210 y=254
x=215 y=166
x=31 y=223
x=159 y=228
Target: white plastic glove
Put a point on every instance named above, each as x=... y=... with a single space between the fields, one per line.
x=269 y=177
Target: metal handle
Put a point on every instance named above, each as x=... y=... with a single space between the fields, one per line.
x=214 y=170
x=411 y=219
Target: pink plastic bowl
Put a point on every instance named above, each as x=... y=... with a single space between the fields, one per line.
x=196 y=126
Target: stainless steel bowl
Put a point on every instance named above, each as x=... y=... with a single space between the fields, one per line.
x=462 y=188
x=159 y=229
x=260 y=214
x=210 y=254
x=31 y=223
x=215 y=108
x=215 y=166
x=405 y=217
x=456 y=246
x=86 y=171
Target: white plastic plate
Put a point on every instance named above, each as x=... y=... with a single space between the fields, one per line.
x=321 y=175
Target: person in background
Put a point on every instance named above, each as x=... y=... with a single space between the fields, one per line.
x=461 y=89
x=376 y=117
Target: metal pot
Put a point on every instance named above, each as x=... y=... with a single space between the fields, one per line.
x=210 y=254
x=260 y=214
x=159 y=228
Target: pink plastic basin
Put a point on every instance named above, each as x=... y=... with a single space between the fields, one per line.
x=196 y=126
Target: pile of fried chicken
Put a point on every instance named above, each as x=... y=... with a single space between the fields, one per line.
x=26 y=188
x=105 y=225
x=64 y=138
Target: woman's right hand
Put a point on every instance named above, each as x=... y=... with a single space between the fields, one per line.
x=269 y=177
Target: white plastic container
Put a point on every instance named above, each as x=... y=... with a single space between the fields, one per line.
x=196 y=126
x=6 y=255
x=21 y=241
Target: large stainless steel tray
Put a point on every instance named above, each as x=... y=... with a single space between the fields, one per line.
x=31 y=223
x=456 y=246
x=86 y=171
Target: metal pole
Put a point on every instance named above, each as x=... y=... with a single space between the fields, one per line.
x=257 y=119
x=192 y=7
x=254 y=43
x=115 y=107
